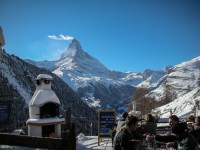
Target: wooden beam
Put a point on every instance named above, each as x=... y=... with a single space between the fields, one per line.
x=28 y=141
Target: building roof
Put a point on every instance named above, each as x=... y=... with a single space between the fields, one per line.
x=44 y=76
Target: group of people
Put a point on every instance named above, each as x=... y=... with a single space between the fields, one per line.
x=130 y=133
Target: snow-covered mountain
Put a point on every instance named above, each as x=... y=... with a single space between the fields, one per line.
x=17 y=80
x=183 y=84
x=182 y=106
x=103 y=88
x=97 y=85
x=182 y=78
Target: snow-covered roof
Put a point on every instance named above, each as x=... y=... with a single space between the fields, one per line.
x=44 y=76
x=41 y=97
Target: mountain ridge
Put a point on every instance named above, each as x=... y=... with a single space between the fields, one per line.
x=96 y=84
x=92 y=67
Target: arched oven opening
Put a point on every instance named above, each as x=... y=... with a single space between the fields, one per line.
x=49 y=110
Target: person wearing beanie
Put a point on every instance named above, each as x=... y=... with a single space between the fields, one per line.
x=185 y=141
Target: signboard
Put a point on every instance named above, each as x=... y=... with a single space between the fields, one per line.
x=4 y=114
x=106 y=120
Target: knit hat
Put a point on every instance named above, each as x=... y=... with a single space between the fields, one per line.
x=179 y=128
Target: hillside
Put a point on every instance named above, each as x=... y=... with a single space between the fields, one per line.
x=182 y=106
x=18 y=78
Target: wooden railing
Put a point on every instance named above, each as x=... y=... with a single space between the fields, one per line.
x=68 y=141
x=28 y=141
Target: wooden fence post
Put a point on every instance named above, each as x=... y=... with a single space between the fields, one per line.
x=68 y=135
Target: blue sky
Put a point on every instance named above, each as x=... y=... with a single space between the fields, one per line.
x=124 y=35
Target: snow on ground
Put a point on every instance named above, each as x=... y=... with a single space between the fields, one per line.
x=83 y=143
x=91 y=142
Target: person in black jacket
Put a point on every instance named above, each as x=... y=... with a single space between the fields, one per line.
x=185 y=140
x=173 y=120
x=122 y=140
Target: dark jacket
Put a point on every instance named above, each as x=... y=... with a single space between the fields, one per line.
x=187 y=142
x=149 y=127
x=166 y=139
x=196 y=133
x=122 y=141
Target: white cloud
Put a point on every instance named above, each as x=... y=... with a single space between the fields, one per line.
x=61 y=37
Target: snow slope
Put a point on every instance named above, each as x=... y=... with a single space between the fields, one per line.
x=182 y=106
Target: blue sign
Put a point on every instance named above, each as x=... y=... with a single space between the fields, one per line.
x=106 y=123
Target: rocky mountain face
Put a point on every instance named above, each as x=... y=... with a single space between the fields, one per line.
x=17 y=79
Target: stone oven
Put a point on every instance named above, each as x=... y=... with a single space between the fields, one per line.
x=44 y=120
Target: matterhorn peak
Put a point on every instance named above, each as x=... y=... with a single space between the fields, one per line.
x=75 y=45
x=80 y=61
x=73 y=49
